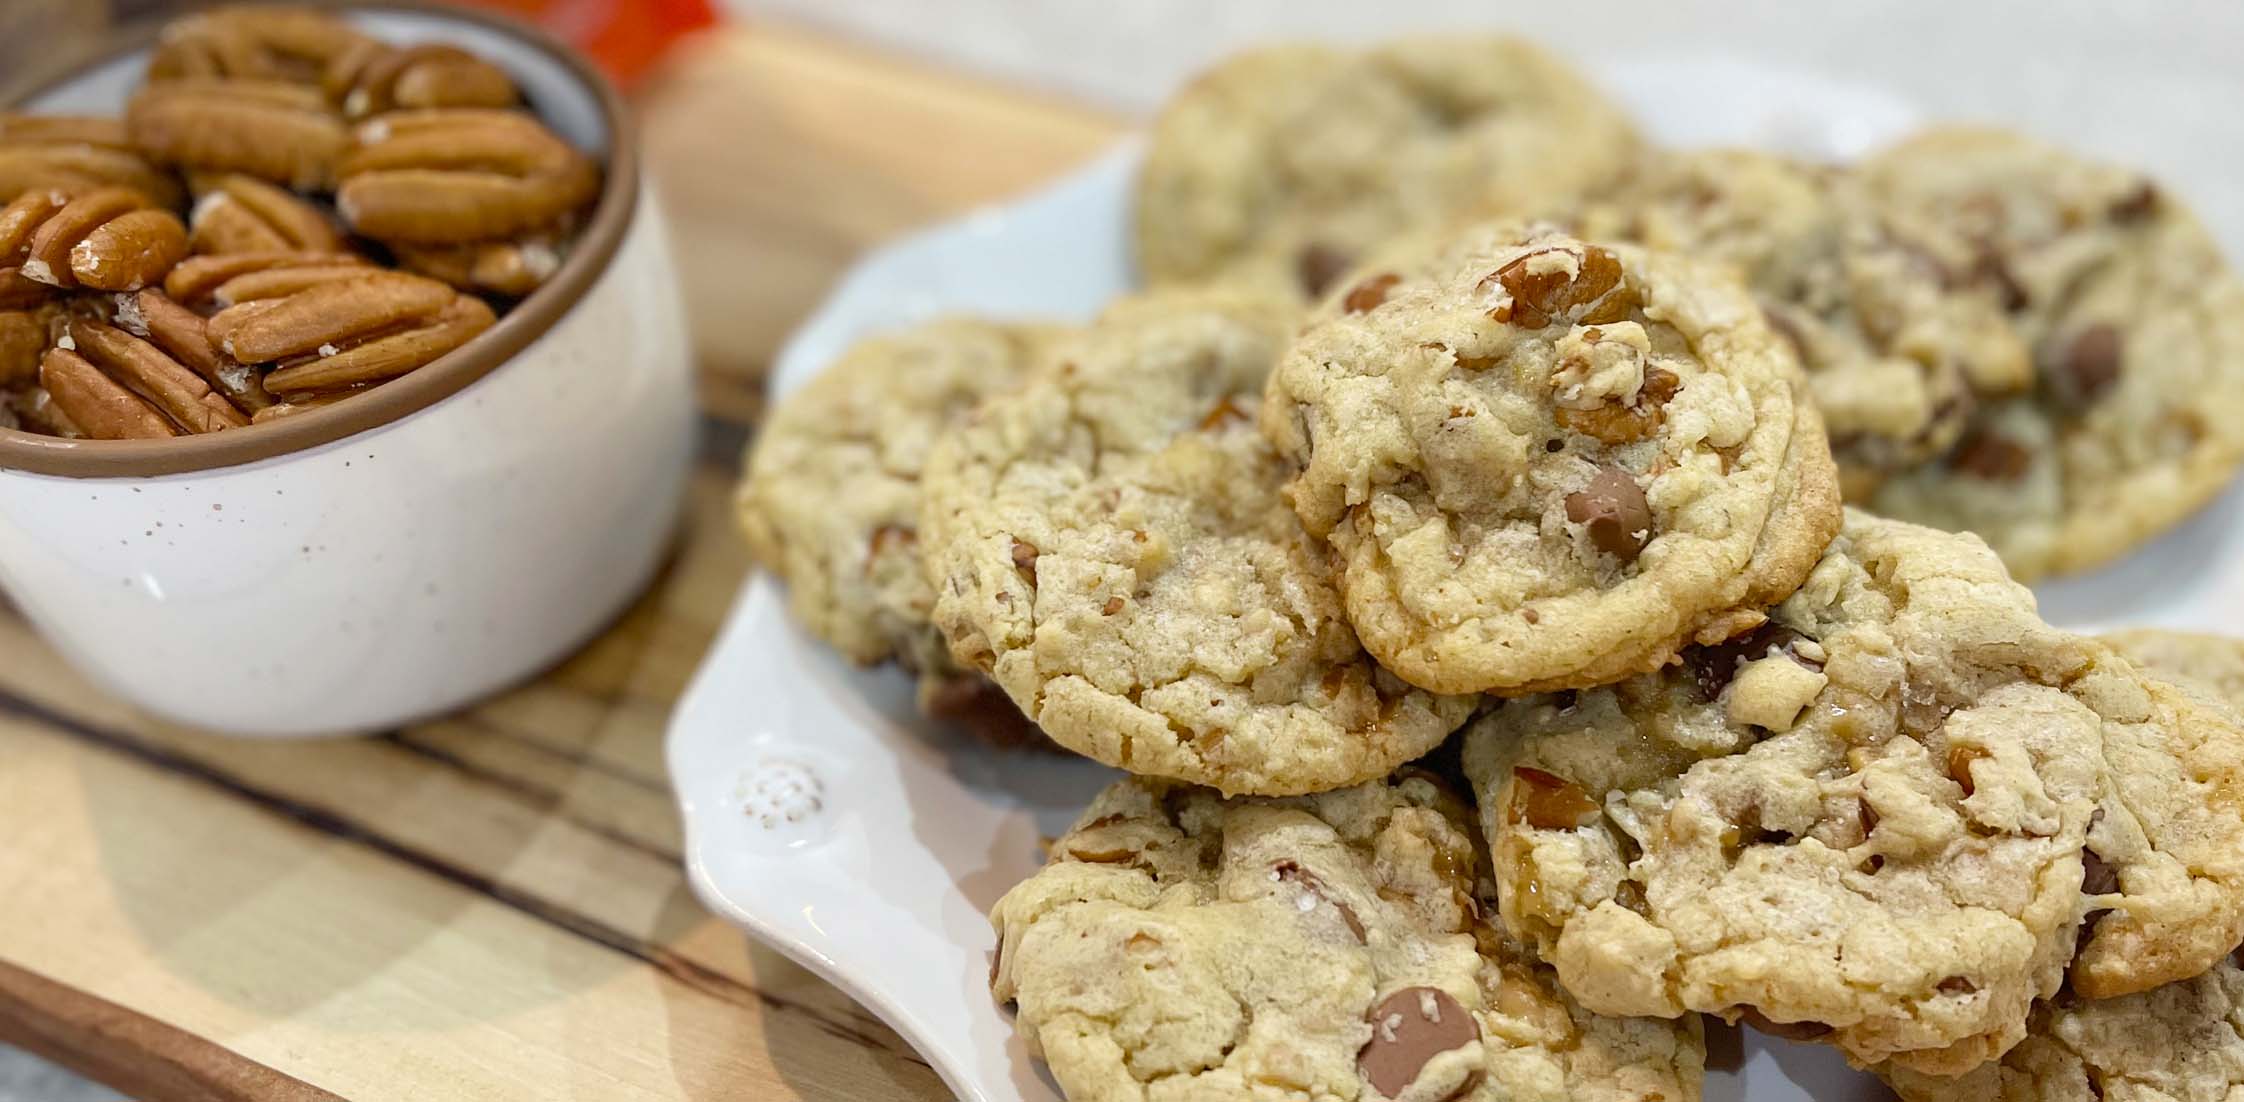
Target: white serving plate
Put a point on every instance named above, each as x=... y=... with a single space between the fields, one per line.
x=826 y=818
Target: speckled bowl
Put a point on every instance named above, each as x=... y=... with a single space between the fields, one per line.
x=405 y=551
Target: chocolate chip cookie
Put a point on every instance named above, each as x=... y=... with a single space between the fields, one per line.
x=1181 y=945
x=1890 y=818
x=1896 y=354
x=2136 y=328
x=1283 y=167
x=1545 y=463
x=2183 y=1042
x=1109 y=543
x=830 y=503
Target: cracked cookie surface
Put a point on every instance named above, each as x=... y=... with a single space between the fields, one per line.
x=830 y=502
x=1897 y=352
x=1283 y=167
x=1327 y=948
x=1880 y=820
x=2183 y=1042
x=1108 y=542
x=2135 y=325
x=1546 y=464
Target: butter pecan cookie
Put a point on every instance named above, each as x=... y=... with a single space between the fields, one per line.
x=2183 y=1042
x=1283 y=167
x=830 y=503
x=1327 y=948
x=1890 y=818
x=1110 y=544
x=1548 y=464
x=1897 y=353
x=2136 y=327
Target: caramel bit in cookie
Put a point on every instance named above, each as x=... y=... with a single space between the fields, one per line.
x=1319 y=265
x=1546 y=801
x=1613 y=508
x=1024 y=554
x=1224 y=412
x=2085 y=368
x=1547 y=283
x=1991 y=456
x=1408 y=1030
x=1959 y=766
x=1289 y=872
x=885 y=537
x=1370 y=293
x=1112 y=606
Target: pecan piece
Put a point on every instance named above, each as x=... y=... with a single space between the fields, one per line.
x=303 y=402
x=448 y=175
x=243 y=214
x=375 y=77
x=510 y=269
x=285 y=133
x=1551 y=284
x=32 y=409
x=340 y=333
x=100 y=406
x=109 y=239
x=1630 y=421
x=25 y=336
x=182 y=395
x=72 y=153
x=253 y=43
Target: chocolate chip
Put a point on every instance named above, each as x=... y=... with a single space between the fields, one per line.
x=1292 y=873
x=1992 y=456
x=1713 y=667
x=1318 y=265
x=2236 y=956
x=1370 y=293
x=2136 y=205
x=1024 y=554
x=2085 y=368
x=1554 y=446
x=2097 y=878
x=1408 y=1029
x=1612 y=506
x=1791 y=1031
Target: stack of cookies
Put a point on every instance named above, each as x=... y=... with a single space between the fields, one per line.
x=1450 y=544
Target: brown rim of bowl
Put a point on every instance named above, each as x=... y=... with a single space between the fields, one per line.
x=409 y=393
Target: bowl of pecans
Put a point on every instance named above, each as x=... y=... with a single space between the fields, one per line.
x=343 y=377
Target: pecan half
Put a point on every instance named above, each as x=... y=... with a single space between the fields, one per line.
x=1559 y=283
x=200 y=279
x=449 y=175
x=243 y=214
x=72 y=153
x=32 y=409
x=376 y=77
x=346 y=332
x=183 y=395
x=285 y=133
x=25 y=336
x=508 y=268
x=303 y=402
x=181 y=333
x=109 y=239
x=253 y=43
x=98 y=405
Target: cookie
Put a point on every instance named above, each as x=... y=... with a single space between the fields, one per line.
x=1547 y=464
x=1181 y=945
x=1282 y=167
x=2183 y=1042
x=1109 y=543
x=2136 y=328
x=830 y=503
x=1891 y=818
x=1896 y=356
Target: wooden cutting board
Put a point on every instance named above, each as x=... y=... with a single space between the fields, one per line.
x=491 y=905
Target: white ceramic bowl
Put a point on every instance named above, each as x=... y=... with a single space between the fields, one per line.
x=408 y=550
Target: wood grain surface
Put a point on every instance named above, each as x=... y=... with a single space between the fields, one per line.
x=491 y=906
